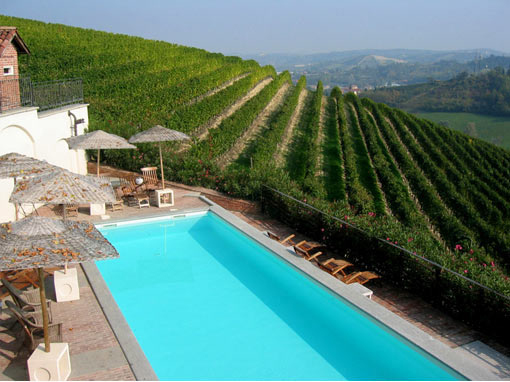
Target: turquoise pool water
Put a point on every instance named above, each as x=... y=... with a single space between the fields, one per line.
x=205 y=302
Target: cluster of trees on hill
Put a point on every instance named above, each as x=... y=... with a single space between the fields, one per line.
x=484 y=93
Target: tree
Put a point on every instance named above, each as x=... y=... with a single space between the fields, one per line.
x=470 y=130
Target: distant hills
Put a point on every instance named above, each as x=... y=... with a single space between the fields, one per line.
x=374 y=61
x=375 y=67
x=284 y=60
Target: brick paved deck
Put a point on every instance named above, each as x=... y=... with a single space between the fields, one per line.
x=96 y=354
x=86 y=330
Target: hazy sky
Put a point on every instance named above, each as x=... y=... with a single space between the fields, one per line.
x=285 y=26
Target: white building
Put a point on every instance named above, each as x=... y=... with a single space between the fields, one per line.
x=27 y=130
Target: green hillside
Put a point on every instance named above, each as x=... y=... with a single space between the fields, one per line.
x=414 y=184
x=484 y=93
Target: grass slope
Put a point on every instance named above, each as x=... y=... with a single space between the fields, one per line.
x=490 y=128
x=128 y=81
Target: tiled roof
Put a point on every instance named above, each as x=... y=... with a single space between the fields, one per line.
x=10 y=35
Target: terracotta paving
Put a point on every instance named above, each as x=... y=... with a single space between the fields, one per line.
x=88 y=333
x=84 y=327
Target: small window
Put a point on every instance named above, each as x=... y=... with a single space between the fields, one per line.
x=8 y=70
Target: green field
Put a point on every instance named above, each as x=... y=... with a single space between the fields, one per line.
x=492 y=129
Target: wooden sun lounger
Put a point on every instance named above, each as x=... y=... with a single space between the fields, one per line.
x=334 y=266
x=359 y=277
x=307 y=255
x=134 y=195
x=286 y=241
x=311 y=246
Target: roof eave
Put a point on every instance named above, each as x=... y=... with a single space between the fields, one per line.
x=21 y=46
x=13 y=38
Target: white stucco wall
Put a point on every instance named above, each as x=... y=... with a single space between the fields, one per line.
x=39 y=135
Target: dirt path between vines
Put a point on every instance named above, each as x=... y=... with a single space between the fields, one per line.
x=203 y=131
x=216 y=89
x=257 y=125
x=320 y=138
x=289 y=130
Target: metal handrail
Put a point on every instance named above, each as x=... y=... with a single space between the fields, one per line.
x=433 y=263
x=14 y=92
x=21 y=91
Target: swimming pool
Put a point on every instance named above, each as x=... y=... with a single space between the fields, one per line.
x=206 y=302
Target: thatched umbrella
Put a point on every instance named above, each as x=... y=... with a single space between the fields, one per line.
x=37 y=242
x=63 y=187
x=98 y=139
x=158 y=134
x=14 y=165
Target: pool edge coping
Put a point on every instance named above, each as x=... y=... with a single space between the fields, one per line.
x=136 y=358
x=143 y=370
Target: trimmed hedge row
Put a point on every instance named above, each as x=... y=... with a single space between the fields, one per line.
x=493 y=240
x=499 y=153
x=451 y=229
x=304 y=151
x=465 y=184
x=472 y=176
x=358 y=196
x=495 y=155
x=395 y=190
x=470 y=157
x=365 y=170
x=332 y=152
x=314 y=151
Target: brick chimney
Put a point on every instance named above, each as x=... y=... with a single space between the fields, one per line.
x=11 y=45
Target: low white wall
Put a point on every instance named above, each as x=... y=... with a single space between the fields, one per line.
x=39 y=135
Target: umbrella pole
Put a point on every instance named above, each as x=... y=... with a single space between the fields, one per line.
x=98 y=153
x=161 y=164
x=44 y=307
x=16 y=209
